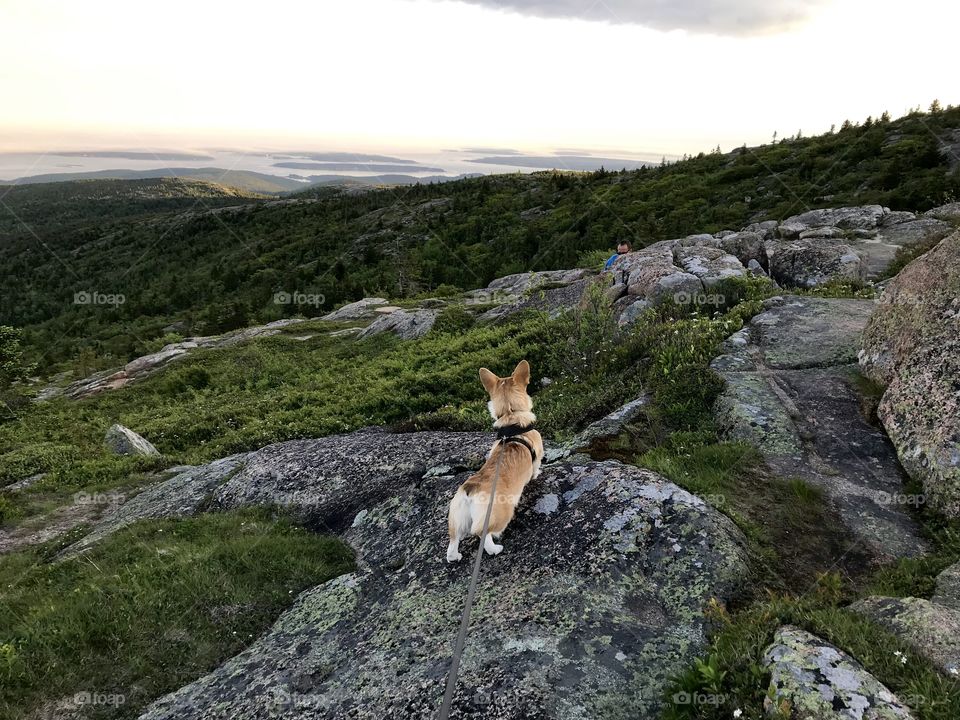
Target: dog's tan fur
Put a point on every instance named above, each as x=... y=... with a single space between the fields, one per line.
x=509 y=405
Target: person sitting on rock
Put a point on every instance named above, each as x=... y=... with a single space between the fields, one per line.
x=623 y=247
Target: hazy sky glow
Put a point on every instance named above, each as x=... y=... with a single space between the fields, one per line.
x=381 y=74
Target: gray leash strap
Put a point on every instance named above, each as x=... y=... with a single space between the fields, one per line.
x=471 y=593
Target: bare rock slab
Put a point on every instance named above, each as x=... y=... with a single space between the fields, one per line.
x=791 y=393
x=595 y=602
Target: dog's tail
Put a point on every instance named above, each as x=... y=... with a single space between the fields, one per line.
x=459 y=517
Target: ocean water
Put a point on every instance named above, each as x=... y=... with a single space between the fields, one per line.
x=418 y=164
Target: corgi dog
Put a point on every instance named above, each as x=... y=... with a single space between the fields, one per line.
x=518 y=451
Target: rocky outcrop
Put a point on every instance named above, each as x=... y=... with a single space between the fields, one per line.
x=405 y=324
x=948 y=588
x=912 y=345
x=147 y=365
x=182 y=495
x=308 y=477
x=810 y=679
x=552 y=300
x=745 y=246
x=358 y=310
x=931 y=627
x=598 y=597
x=790 y=392
x=522 y=283
x=595 y=603
x=650 y=274
x=872 y=232
x=606 y=427
x=709 y=264
x=122 y=440
x=813 y=261
x=948 y=213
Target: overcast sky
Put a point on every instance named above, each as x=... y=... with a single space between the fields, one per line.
x=643 y=75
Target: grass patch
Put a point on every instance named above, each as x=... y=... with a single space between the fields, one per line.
x=838 y=288
x=792 y=534
x=217 y=402
x=905 y=255
x=736 y=675
x=152 y=607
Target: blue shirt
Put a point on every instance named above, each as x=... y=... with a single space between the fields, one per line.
x=610 y=261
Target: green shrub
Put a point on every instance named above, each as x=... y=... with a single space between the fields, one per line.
x=685 y=396
x=594 y=259
x=453 y=319
x=8 y=509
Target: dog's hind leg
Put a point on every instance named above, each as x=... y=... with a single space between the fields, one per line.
x=490 y=546
x=458 y=524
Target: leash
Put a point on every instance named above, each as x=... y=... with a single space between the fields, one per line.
x=471 y=593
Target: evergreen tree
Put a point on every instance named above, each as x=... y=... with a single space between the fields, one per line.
x=13 y=365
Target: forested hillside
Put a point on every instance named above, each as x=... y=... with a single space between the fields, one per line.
x=174 y=254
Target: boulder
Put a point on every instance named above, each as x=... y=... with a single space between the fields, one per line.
x=949 y=213
x=552 y=300
x=326 y=481
x=930 y=629
x=790 y=230
x=631 y=311
x=355 y=310
x=766 y=229
x=745 y=246
x=650 y=274
x=895 y=217
x=948 y=588
x=699 y=239
x=122 y=440
x=709 y=264
x=811 y=262
x=595 y=603
x=865 y=217
x=912 y=345
x=405 y=324
x=828 y=232
x=606 y=427
x=810 y=679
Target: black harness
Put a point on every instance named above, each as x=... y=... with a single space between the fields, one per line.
x=512 y=433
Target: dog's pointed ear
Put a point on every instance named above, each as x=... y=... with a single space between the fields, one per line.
x=521 y=373
x=489 y=380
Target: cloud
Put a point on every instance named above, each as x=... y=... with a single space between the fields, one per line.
x=718 y=17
